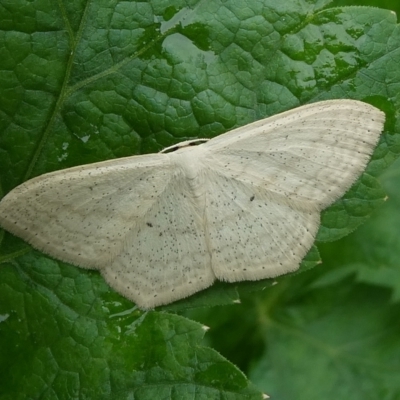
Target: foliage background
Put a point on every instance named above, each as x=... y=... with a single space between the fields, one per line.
x=77 y=86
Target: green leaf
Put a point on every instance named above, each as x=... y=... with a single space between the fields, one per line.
x=379 y=242
x=89 y=81
x=64 y=335
x=339 y=342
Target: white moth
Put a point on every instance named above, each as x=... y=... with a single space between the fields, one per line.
x=242 y=206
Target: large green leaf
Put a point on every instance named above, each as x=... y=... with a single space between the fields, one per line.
x=87 y=81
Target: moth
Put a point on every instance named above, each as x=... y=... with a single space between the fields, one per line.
x=243 y=206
